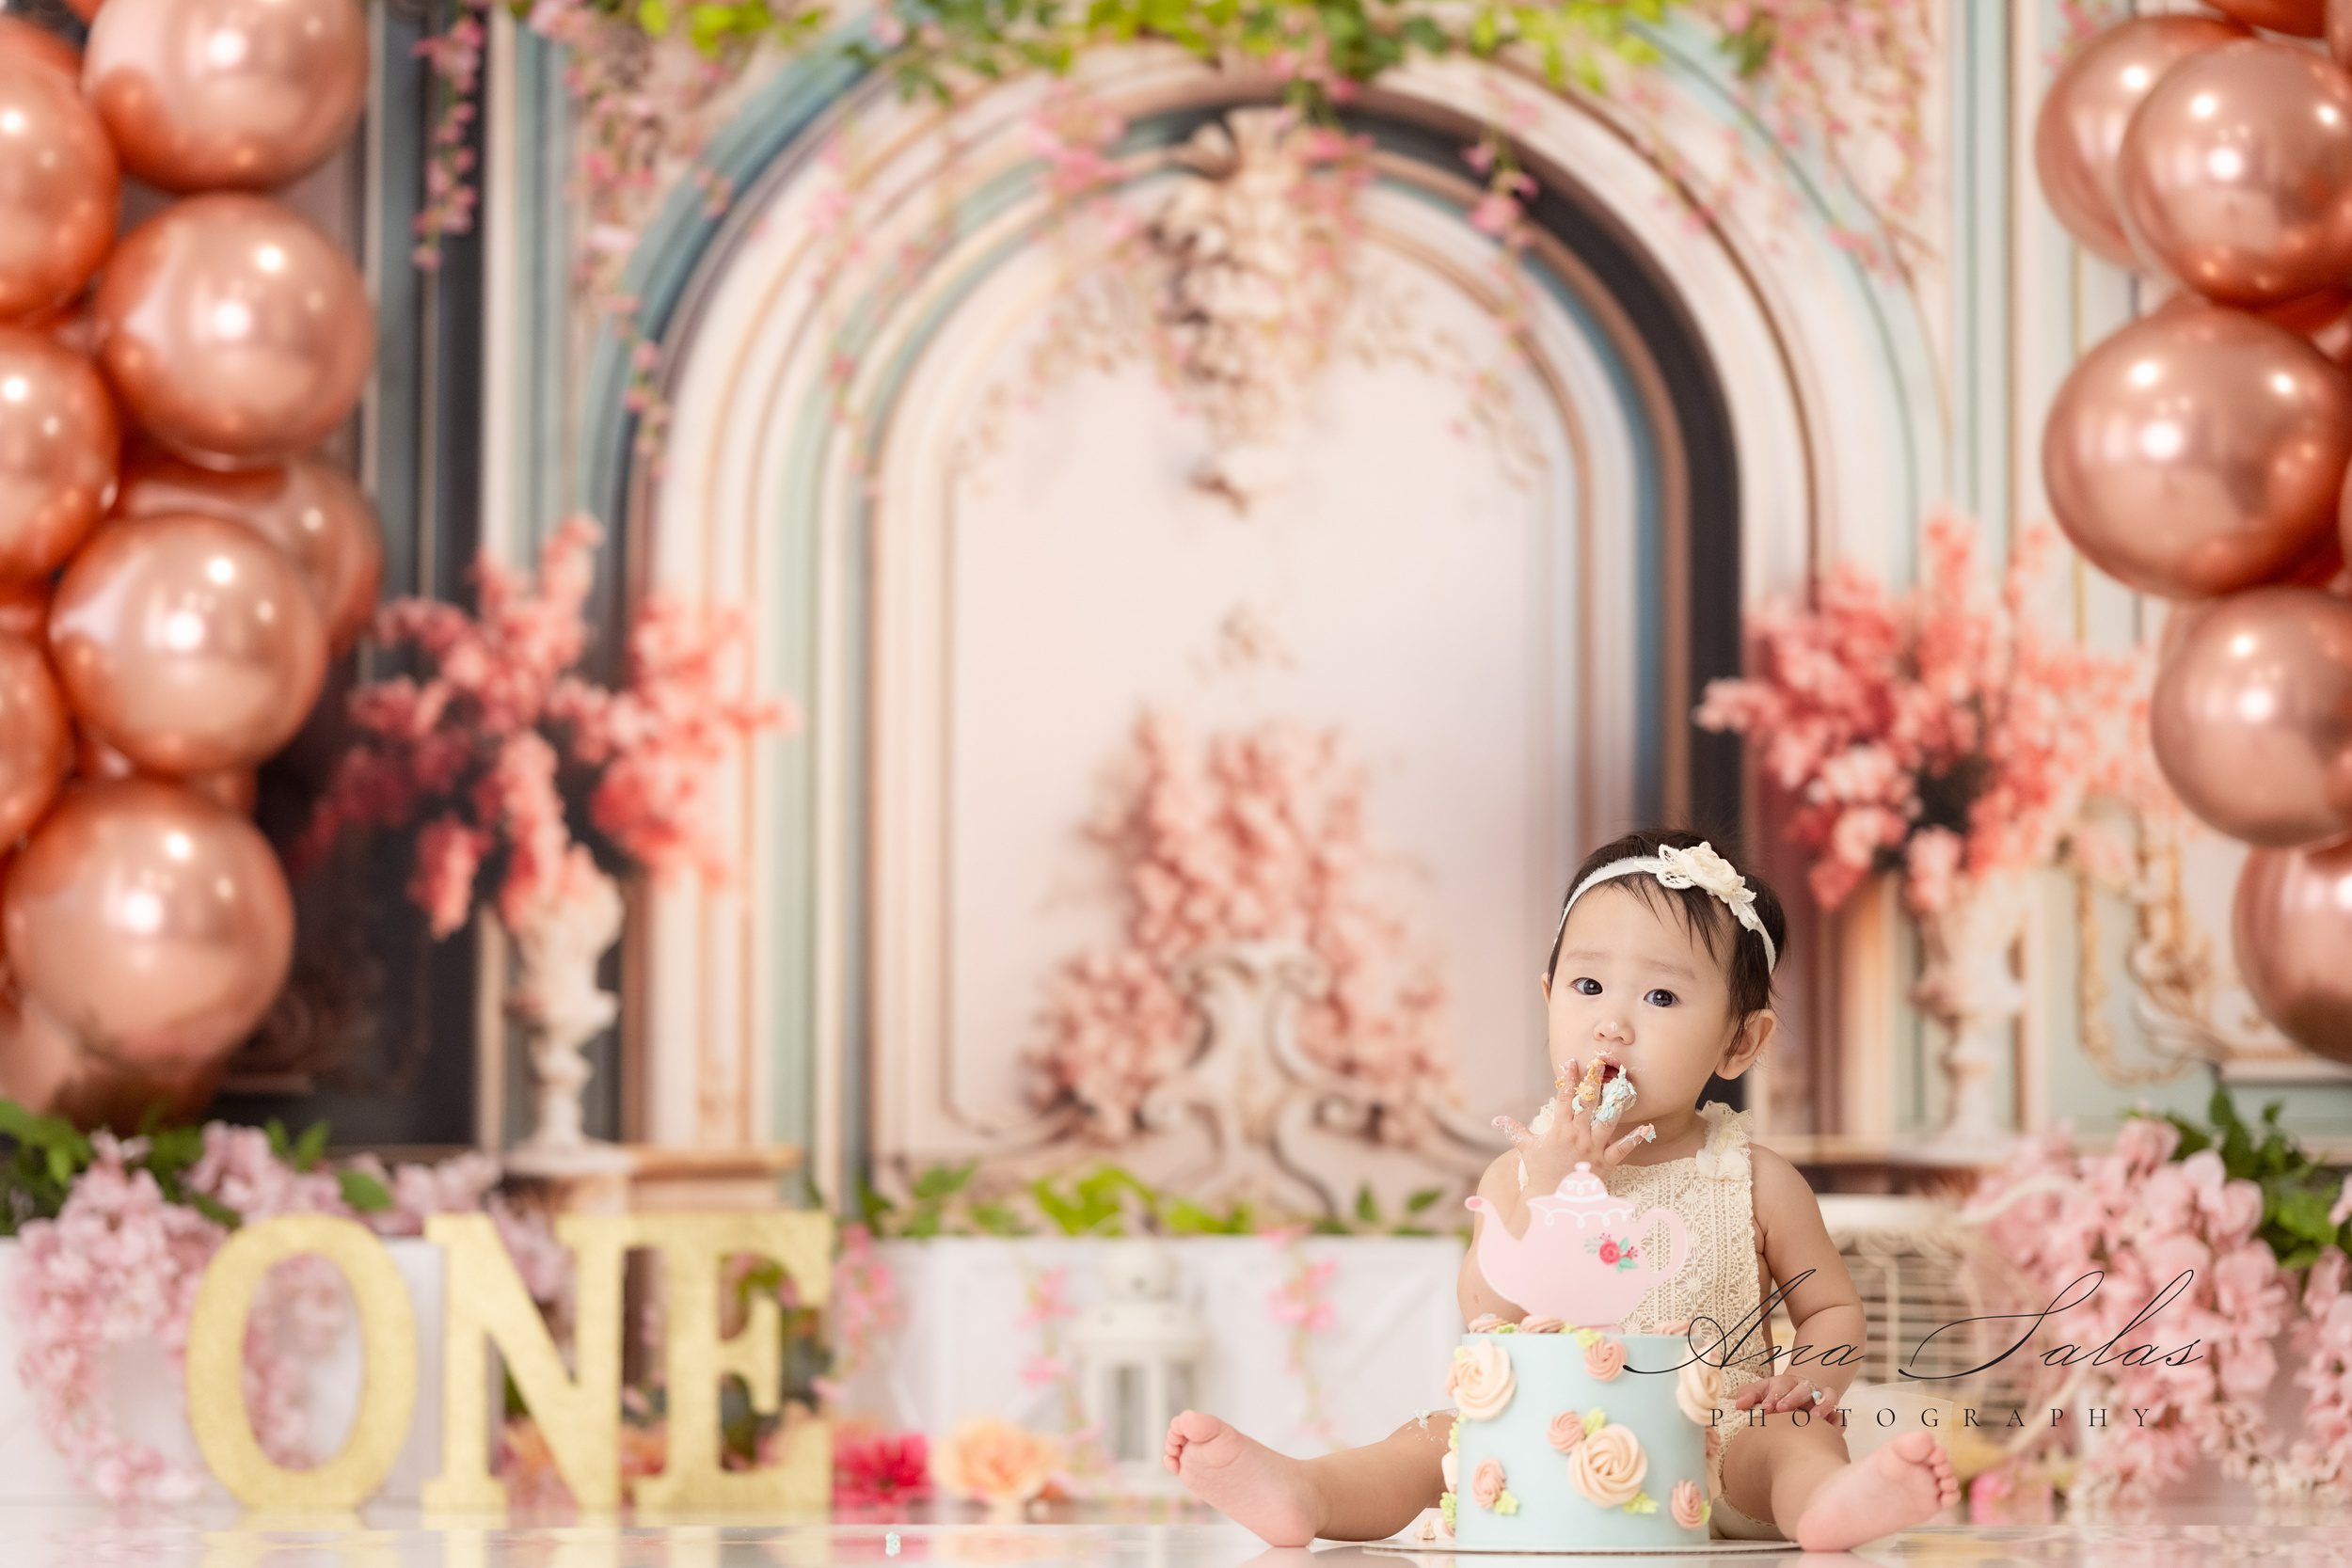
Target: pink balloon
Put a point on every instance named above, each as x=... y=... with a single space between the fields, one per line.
x=2080 y=126
x=2291 y=928
x=2197 y=451
x=2251 y=716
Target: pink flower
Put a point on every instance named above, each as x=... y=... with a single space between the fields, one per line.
x=995 y=1462
x=1566 y=1431
x=1531 y=1325
x=1604 y=1358
x=1687 y=1504
x=1487 y=1483
x=1486 y=1323
x=885 y=1470
x=1606 y=1469
x=1608 y=1252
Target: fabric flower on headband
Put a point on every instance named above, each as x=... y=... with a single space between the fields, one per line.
x=1703 y=867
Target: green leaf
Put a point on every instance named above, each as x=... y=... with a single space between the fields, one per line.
x=653 y=17
x=60 y=1164
x=1422 y=1200
x=2304 y=1214
x=1367 y=1210
x=941 y=1180
x=278 y=1146
x=215 y=1210
x=363 y=1192
x=16 y=1122
x=312 y=1145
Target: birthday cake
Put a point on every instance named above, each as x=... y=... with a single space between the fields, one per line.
x=1572 y=1437
x=1577 y=1439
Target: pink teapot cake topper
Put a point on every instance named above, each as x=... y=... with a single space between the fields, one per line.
x=1587 y=1258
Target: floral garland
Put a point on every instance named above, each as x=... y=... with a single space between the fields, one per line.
x=2242 y=1212
x=120 y=1261
x=1302 y=1304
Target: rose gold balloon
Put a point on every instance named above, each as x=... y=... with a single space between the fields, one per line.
x=155 y=926
x=2197 y=451
x=2323 y=318
x=59 y=189
x=36 y=739
x=236 y=333
x=189 y=643
x=2236 y=174
x=46 y=1070
x=2253 y=717
x=2303 y=18
x=23 y=41
x=2081 y=122
x=24 y=611
x=233 y=787
x=58 y=446
x=227 y=94
x=2292 y=930
x=2339 y=30
x=310 y=508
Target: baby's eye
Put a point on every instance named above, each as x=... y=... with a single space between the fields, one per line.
x=1583 y=980
x=1657 y=991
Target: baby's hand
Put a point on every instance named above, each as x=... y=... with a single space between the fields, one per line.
x=1573 y=1137
x=1788 y=1391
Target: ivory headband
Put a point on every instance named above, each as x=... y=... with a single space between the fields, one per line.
x=1701 y=867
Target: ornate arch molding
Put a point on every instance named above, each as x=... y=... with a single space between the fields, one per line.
x=1781 y=392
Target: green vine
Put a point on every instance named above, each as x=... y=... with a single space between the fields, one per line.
x=1108 y=1202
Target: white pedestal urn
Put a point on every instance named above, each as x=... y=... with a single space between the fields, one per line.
x=1970 y=986
x=555 y=999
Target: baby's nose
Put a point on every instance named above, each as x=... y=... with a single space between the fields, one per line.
x=1613 y=1030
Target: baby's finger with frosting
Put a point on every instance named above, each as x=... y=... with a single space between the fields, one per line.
x=1644 y=1133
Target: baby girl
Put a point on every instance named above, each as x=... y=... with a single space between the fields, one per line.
x=1660 y=974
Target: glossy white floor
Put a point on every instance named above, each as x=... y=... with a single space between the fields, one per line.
x=89 y=1537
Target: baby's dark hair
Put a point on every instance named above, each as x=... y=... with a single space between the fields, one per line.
x=1751 y=979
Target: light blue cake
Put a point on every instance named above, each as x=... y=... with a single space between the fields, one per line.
x=1585 y=1460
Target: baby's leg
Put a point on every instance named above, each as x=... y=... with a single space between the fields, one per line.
x=1798 y=1478
x=1363 y=1494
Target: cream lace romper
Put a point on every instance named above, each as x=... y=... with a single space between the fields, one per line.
x=1722 y=1276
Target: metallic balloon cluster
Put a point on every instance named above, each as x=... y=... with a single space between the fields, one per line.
x=176 y=568
x=2202 y=451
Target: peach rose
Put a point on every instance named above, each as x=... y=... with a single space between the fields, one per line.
x=1608 y=1467
x=1689 y=1504
x=1699 y=1390
x=1480 y=1380
x=1449 y=1466
x=1484 y=1323
x=1604 y=1358
x=995 y=1462
x=1540 y=1325
x=1565 y=1432
x=1487 y=1485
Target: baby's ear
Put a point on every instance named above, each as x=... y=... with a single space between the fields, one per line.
x=1754 y=1035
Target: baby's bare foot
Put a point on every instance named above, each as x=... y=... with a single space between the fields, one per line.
x=1244 y=1480
x=1908 y=1481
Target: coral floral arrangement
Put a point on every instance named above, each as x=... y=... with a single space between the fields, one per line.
x=1941 y=733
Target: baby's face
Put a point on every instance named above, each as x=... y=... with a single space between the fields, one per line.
x=1635 y=986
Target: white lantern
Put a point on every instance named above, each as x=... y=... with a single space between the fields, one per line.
x=1136 y=1353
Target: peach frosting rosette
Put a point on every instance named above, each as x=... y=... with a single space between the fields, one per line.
x=1688 y=1504
x=1565 y=1432
x=1449 y=1464
x=1487 y=1483
x=1607 y=1467
x=1604 y=1358
x=1480 y=1380
x=1698 y=1390
x=995 y=1462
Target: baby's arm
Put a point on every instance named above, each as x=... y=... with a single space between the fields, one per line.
x=1822 y=1303
x=1500 y=1187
